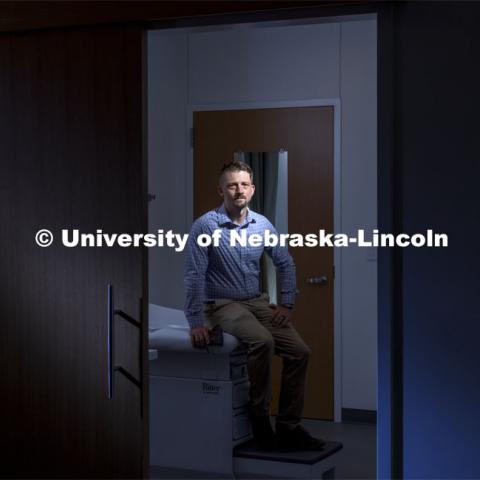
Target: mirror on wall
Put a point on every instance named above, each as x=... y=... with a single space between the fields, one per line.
x=270 y=177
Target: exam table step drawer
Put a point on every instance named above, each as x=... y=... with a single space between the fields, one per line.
x=238 y=371
x=240 y=395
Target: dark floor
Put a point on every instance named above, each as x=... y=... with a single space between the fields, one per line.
x=357 y=461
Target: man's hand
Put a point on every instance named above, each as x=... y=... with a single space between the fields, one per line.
x=282 y=315
x=200 y=336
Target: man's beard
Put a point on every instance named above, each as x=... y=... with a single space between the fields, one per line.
x=244 y=200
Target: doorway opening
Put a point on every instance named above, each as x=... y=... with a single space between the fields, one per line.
x=267 y=67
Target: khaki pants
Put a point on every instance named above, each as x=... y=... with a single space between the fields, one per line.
x=250 y=321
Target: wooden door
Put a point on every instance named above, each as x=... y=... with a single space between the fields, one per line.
x=71 y=143
x=307 y=135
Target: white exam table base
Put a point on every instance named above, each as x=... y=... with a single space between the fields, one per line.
x=198 y=400
x=201 y=438
x=198 y=414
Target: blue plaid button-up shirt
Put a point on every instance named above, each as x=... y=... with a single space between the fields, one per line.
x=232 y=272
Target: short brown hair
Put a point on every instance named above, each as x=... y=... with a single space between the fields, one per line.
x=236 y=166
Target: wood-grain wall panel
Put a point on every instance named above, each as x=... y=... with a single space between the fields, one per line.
x=71 y=143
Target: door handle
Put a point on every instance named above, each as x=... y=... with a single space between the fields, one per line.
x=323 y=280
x=110 y=341
x=111 y=368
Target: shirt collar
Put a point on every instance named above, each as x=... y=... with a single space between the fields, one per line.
x=223 y=217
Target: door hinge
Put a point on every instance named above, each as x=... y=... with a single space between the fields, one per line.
x=192 y=137
x=333 y=273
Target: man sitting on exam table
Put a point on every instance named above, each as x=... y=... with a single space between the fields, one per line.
x=222 y=288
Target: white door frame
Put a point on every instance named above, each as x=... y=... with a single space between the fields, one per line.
x=337 y=211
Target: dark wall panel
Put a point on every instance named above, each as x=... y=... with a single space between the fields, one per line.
x=70 y=157
x=437 y=111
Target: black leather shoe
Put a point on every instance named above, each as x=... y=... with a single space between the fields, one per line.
x=263 y=433
x=297 y=439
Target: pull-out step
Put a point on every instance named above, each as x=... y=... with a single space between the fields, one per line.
x=250 y=462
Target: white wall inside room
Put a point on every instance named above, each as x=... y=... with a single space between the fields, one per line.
x=264 y=63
